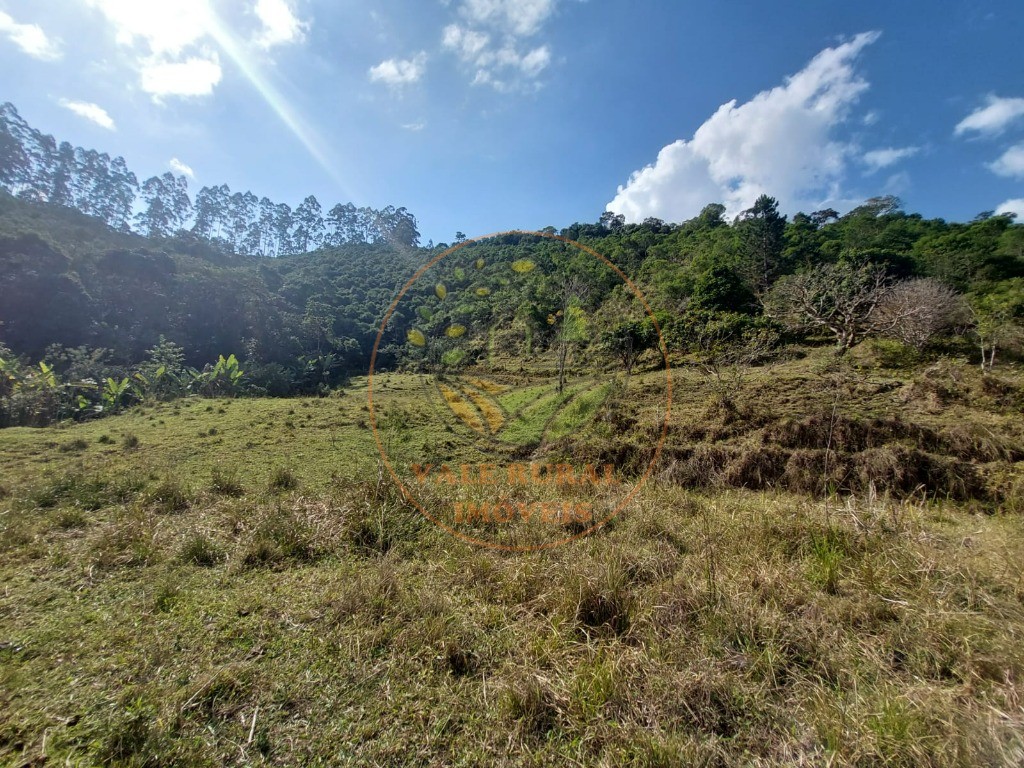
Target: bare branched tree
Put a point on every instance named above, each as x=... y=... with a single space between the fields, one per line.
x=727 y=351
x=919 y=310
x=843 y=299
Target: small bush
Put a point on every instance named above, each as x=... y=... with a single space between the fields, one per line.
x=104 y=440
x=891 y=354
x=130 y=441
x=74 y=446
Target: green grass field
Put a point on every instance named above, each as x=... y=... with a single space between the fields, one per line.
x=236 y=582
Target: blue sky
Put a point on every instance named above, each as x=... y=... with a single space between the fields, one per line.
x=484 y=115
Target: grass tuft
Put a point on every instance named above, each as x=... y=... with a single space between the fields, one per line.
x=281 y=536
x=199 y=549
x=74 y=446
x=530 y=702
x=169 y=497
x=283 y=479
x=225 y=482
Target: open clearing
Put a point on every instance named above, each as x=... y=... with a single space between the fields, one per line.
x=210 y=582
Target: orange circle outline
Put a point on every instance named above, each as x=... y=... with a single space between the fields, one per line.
x=373 y=414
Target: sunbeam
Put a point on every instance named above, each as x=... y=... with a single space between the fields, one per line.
x=287 y=113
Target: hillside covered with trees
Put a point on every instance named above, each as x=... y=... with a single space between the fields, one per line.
x=106 y=279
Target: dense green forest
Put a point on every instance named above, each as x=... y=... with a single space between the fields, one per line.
x=231 y=294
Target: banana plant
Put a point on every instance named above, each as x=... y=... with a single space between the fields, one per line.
x=114 y=392
x=47 y=375
x=229 y=370
x=222 y=378
x=141 y=385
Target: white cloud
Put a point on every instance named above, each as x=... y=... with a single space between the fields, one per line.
x=877 y=159
x=172 y=39
x=992 y=118
x=491 y=41
x=194 y=76
x=30 y=38
x=498 y=67
x=1015 y=205
x=414 y=126
x=165 y=27
x=399 y=72
x=280 y=24
x=179 y=167
x=533 y=63
x=92 y=112
x=1010 y=163
x=165 y=33
x=515 y=17
x=780 y=143
x=467 y=43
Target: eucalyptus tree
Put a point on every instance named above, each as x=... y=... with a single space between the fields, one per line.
x=309 y=225
x=167 y=205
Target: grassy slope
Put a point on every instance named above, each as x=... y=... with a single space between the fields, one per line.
x=257 y=596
